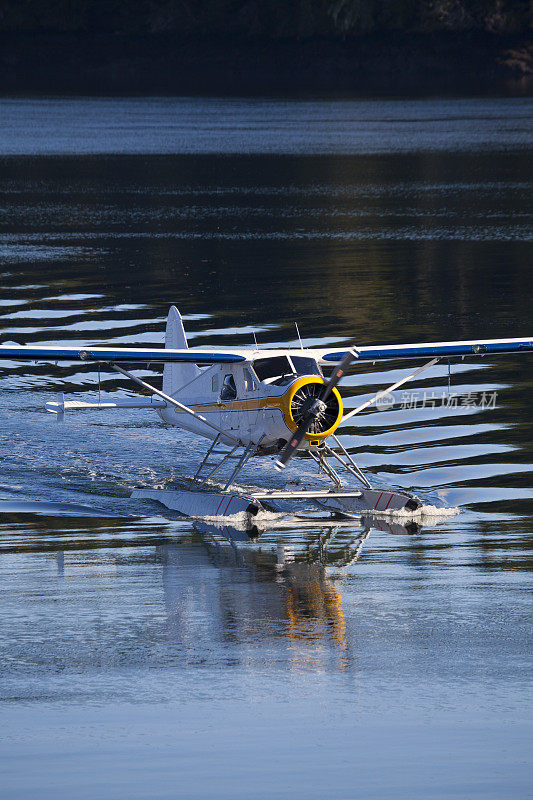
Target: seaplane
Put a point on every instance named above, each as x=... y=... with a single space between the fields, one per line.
x=259 y=403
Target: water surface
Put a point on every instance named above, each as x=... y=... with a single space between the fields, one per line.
x=144 y=655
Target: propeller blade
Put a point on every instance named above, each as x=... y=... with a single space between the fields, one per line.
x=292 y=446
x=317 y=406
x=338 y=373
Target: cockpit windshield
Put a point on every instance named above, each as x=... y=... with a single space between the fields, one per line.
x=280 y=370
x=305 y=366
x=275 y=367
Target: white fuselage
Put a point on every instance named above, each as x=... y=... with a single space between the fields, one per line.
x=247 y=409
x=232 y=398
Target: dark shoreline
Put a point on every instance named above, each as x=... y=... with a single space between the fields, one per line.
x=110 y=64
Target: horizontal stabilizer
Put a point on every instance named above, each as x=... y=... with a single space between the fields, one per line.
x=59 y=406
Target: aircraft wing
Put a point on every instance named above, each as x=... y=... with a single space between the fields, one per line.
x=119 y=354
x=162 y=355
x=476 y=347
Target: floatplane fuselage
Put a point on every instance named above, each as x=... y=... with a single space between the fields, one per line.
x=259 y=402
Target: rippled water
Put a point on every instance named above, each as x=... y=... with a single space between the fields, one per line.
x=148 y=656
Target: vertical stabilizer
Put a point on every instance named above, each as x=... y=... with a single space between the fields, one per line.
x=176 y=375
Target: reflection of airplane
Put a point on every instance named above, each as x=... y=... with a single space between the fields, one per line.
x=258 y=403
x=283 y=576
x=278 y=549
x=278 y=576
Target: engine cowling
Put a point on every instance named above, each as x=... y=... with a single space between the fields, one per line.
x=303 y=392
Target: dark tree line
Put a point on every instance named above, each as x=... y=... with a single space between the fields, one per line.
x=267 y=19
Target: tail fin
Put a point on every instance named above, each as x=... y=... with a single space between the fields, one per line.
x=176 y=375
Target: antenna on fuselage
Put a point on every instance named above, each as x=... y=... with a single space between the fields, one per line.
x=255 y=340
x=298 y=332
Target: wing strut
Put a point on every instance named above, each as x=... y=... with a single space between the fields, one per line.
x=381 y=394
x=173 y=402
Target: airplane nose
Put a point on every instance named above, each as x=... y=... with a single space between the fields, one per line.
x=304 y=394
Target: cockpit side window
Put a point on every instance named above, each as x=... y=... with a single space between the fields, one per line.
x=249 y=383
x=229 y=389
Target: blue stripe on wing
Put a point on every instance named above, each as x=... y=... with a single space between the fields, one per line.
x=118 y=355
x=431 y=349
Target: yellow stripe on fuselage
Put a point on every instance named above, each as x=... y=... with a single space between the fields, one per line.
x=242 y=405
x=281 y=403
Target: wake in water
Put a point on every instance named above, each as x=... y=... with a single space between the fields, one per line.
x=425 y=512
x=427 y=515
